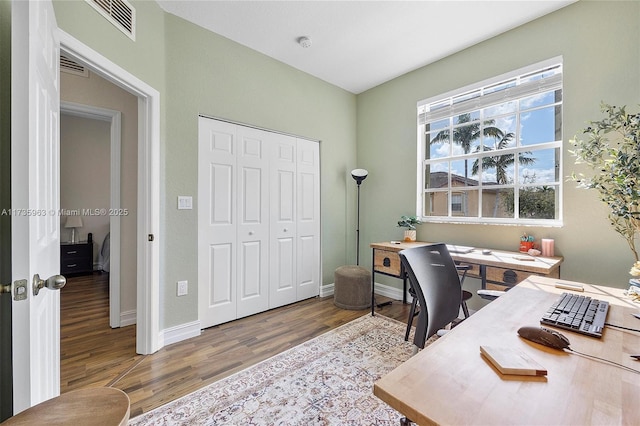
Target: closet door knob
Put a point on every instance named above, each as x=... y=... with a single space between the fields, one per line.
x=250 y=232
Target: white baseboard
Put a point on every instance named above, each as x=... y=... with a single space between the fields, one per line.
x=127 y=318
x=180 y=332
x=326 y=290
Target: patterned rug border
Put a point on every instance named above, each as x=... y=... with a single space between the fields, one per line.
x=343 y=329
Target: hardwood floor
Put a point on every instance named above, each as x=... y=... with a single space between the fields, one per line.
x=93 y=354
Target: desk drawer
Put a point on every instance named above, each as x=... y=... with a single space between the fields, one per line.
x=474 y=272
x=387 y=262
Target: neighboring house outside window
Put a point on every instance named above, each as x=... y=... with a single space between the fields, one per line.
x=492 y=152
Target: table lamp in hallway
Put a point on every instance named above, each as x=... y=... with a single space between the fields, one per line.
x=73 y=222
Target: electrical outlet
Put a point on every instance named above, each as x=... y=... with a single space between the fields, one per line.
x=183 y=288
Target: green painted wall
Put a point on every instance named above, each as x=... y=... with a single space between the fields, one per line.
x=199 y=72
x=599 y=41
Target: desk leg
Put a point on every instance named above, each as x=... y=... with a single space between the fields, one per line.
x=373 y=281
x=483 y=276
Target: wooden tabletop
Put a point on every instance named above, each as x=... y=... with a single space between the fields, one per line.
x=449 y=382
x=93 y=406
x=497 y=258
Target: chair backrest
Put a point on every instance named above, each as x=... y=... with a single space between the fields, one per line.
x=434 y=278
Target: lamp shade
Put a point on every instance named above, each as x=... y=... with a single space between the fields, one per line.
x=73 y=222
x=359 y=175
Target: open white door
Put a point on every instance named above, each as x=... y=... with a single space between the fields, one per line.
x=35 y=199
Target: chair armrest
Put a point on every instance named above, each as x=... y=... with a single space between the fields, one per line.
x=490 y=294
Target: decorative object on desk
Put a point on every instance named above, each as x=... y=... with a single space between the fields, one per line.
x=611 y=151
x=634 y=284
x=73 y=222
x=534 y=252
x=526 y=242
x=546 y=244
x=410 y=223
x=358 y=175
x=327 y=380
x=513 y=361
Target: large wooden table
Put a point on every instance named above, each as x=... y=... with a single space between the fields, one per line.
x=498 y=270
x=449 y=382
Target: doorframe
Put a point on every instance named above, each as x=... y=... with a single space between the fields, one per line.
x=114 y=118
x=148 y=337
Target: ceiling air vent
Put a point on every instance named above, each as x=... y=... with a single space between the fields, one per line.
x=119 y=12
x=72 y=67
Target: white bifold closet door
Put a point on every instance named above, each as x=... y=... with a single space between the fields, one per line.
x=258 y=220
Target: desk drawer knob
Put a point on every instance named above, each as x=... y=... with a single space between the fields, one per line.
x=386 y=262
x=510 y=277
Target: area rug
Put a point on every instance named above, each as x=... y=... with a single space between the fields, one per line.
x=325 y=381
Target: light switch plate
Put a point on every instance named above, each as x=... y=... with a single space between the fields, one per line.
x=185 y=202
x=183 y=288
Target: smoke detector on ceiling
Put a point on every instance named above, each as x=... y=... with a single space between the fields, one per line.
x=305 y=42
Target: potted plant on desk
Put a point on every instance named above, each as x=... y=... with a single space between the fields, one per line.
x=409 y=222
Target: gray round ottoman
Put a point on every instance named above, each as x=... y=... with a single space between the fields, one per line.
x=352 y=289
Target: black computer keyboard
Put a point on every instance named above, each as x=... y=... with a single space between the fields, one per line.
x=577 y=313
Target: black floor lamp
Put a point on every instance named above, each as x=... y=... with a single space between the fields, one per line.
x=359 y=175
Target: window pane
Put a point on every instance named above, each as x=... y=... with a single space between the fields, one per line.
x=461 y=174
x=436 y=126
x=467 y=118
x=541 y=99
x=540 y=166
x=466 y=203
x=437 y=204
x=501 y=109
x=438 y=144
x=498 y=169
x=505 y=126
x=466 y=138
x=497 y=202
x=438 y=175
x=538 y=202
x=538 y=126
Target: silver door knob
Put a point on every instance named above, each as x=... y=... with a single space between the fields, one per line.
x=55 y=282
x=250 y=232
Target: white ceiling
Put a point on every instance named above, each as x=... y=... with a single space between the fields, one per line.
x=357 y=45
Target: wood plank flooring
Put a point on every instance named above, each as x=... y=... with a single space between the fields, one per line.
x=93 y=354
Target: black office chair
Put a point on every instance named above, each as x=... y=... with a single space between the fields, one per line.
x=434 y=278
x=466 y=295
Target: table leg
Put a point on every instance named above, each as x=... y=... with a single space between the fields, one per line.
x=373 y=281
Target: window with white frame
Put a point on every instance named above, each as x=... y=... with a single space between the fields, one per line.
x=492 y=152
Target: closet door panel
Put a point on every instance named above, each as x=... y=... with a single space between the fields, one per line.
x=283 y=221
x=253 y=225
x=220 y=295
x=308 y=220
x=216 y=222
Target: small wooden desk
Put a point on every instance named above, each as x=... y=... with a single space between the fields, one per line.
x=497 y=271
x=449 y=382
